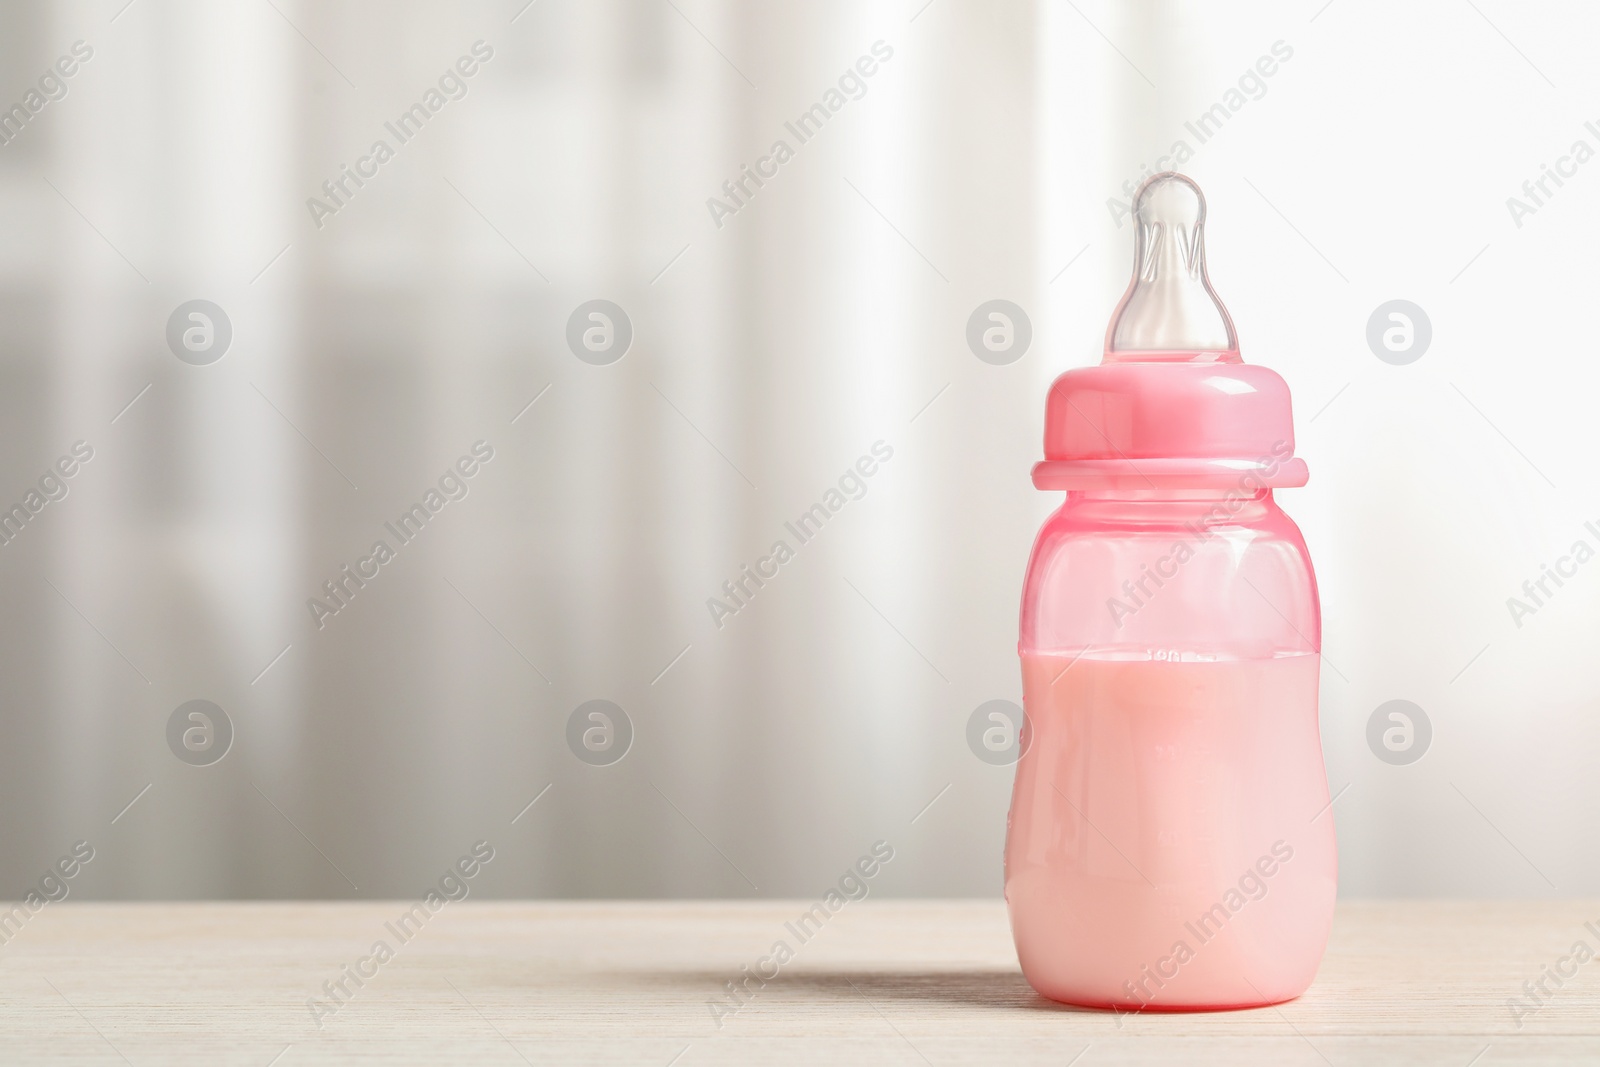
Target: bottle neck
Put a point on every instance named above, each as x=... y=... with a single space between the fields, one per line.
x=1172 y=505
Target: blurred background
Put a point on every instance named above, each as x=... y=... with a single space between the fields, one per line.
x=360 y=337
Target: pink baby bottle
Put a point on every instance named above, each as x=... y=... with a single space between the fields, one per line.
x=1170 y=844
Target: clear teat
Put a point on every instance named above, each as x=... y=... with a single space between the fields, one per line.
x=1170 y=311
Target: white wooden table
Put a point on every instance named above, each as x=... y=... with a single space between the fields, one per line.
x=891 y=982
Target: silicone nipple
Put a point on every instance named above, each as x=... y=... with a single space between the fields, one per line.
x=1169 y=311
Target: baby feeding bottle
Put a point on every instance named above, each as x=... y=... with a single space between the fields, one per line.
x=1170 y=844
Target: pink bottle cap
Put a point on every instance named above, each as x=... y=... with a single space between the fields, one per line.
x=1171 y=404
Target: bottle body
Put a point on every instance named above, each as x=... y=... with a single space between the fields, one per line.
x=1171 y=843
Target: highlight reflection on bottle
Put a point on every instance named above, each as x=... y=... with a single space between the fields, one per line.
x=1171 y=845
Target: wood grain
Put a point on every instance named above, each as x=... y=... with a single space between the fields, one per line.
x=898 y=982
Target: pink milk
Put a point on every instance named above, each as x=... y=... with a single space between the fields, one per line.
x=1168 y=846
x=1171 y=841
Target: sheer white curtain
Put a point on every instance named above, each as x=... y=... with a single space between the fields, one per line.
x=161 y=177
x=769 y=355
x=980 y=159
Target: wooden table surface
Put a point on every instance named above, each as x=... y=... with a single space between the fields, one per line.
x=891 y=982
